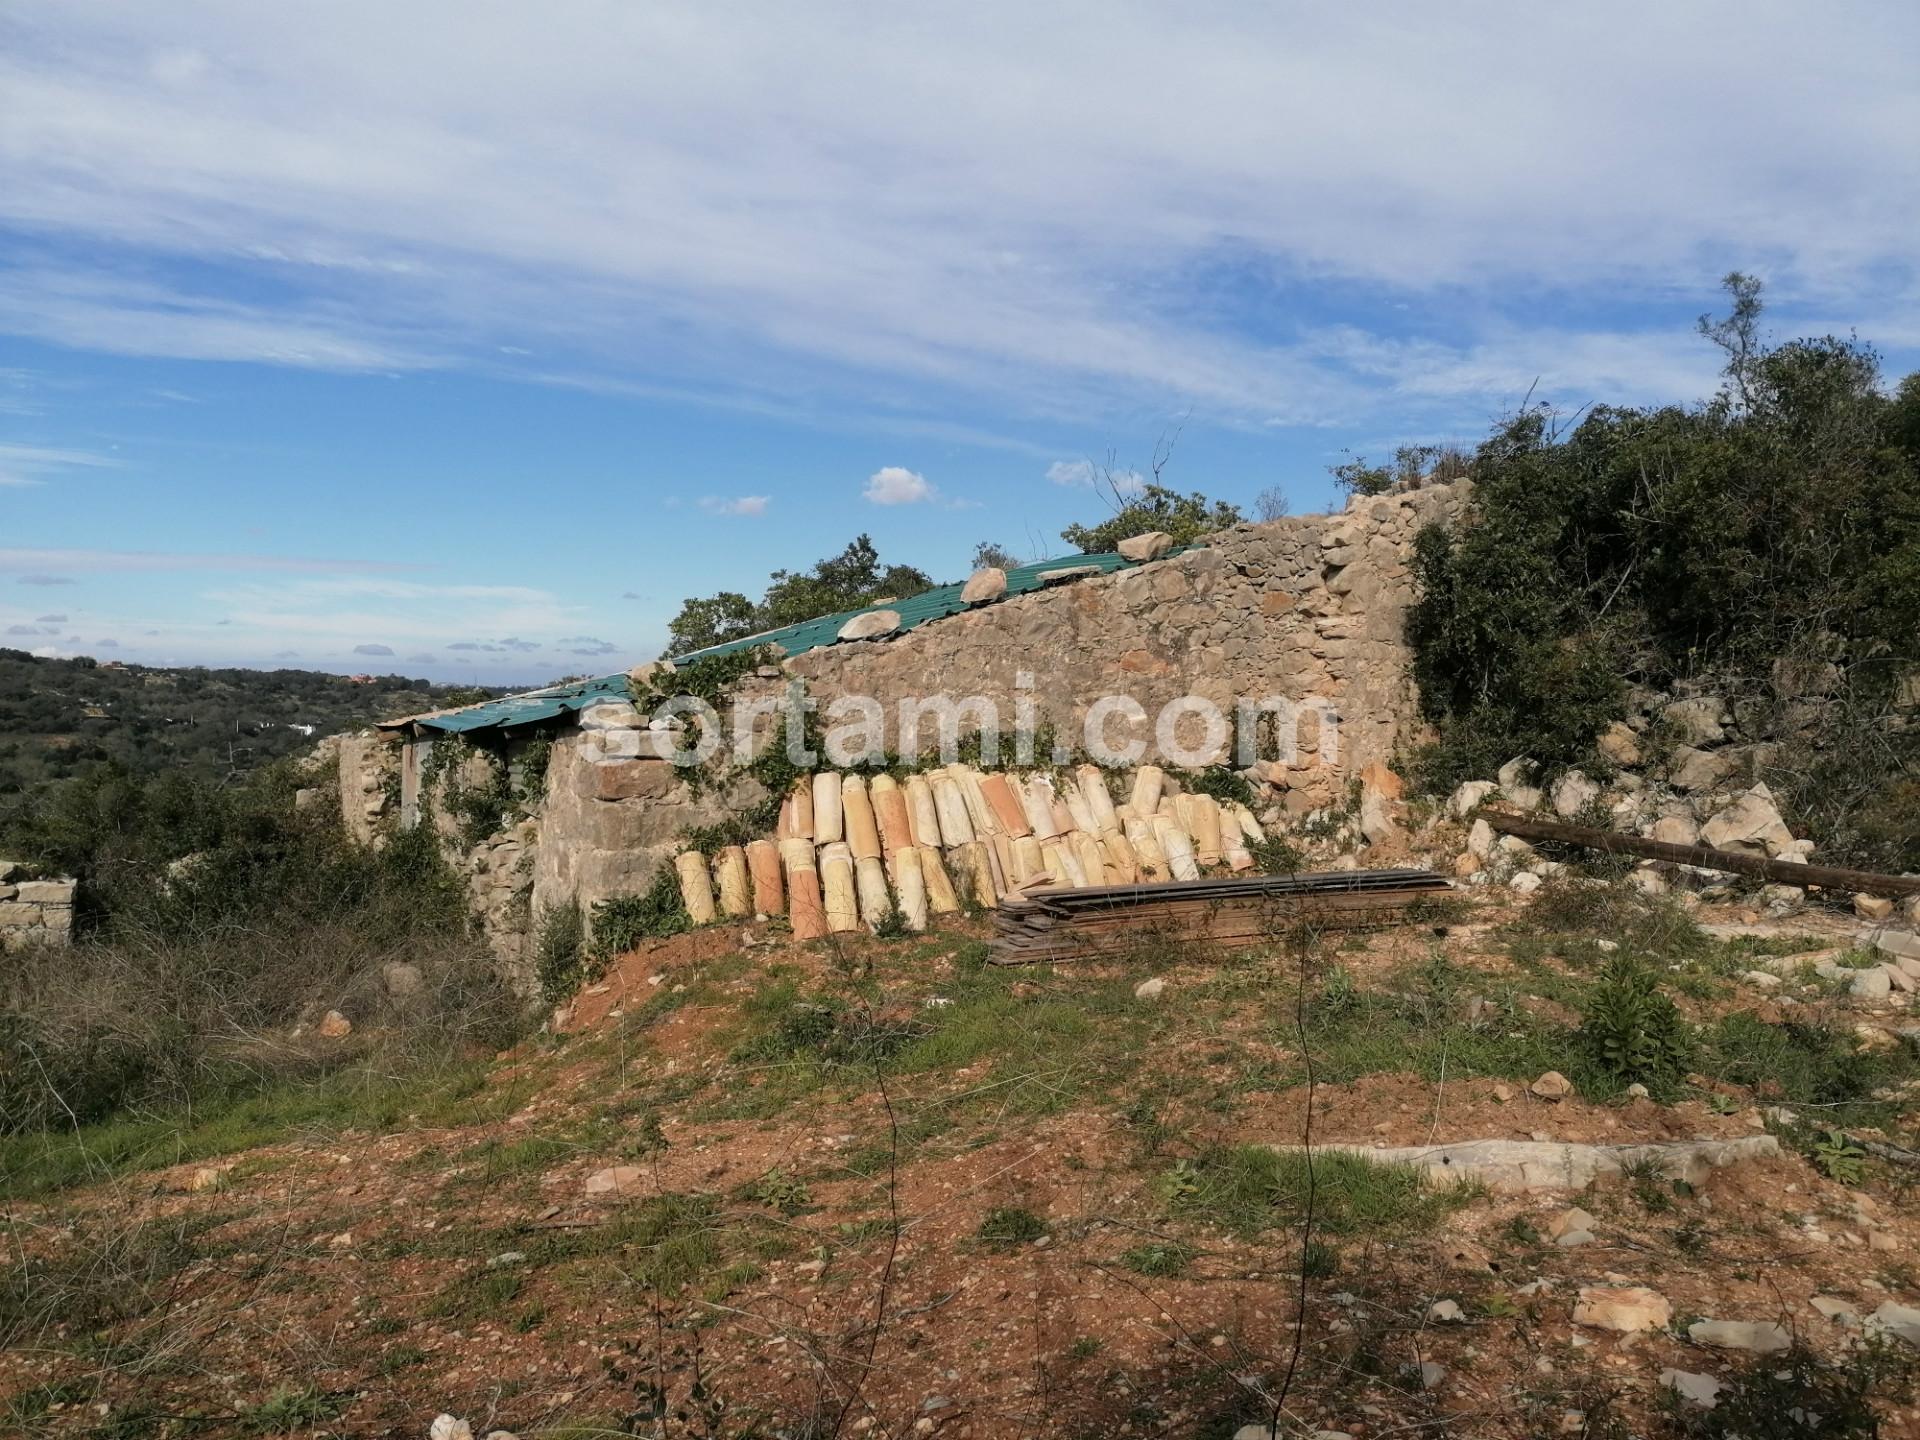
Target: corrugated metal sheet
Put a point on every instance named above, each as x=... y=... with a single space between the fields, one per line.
x=914 y=611
x=511 y=710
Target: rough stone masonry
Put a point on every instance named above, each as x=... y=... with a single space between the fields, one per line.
x=34 y=912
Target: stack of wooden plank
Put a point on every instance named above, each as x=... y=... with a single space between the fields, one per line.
x=1087 y=921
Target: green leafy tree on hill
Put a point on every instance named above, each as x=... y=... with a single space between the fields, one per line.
x=847 y=581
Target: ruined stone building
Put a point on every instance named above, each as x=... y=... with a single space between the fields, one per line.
x=1308 y=607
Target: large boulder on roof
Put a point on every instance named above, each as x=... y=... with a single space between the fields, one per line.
x=984 y=585
x=870 y=625
x=1150 y=546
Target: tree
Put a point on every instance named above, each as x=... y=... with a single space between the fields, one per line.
x=711 y=621
x=1272 y=504
x=1738 y=333
x=847 y=581
x=989 y=556
x=1185 y=517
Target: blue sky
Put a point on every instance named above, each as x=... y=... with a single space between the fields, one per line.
x=465 y=339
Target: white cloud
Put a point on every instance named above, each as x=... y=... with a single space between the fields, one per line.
x=31 y=464
x=683 y=195
x=121 y=561
x=897 y=485
x=1084 y=474
x=692 y=183
x=738 y=505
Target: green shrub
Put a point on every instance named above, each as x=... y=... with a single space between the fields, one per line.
x=622 y=922
x=559 y=952
x=1654 y=545
x=1631 y=1030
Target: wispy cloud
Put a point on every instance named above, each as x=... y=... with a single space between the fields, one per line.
x=38 y=578
x=1085 y=475
x=738 y=505
x=33 y=464
x=125 y=561
x=692 y=202
x=373 y=650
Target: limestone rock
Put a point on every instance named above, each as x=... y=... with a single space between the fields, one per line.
x=1552 y=1086
x=1831 y=1307
x=615 y=1180
x=1752 y=822
x=1762 y=1337
x=611 y=715
x=1873 y=984
x=1872 y=907
x=983 y=586
x=1573 y=792
x=1150 y=989
x=1696 y=1389
x=1902 y=944
x=1700 y=721
x=1524 y=883
x=1571 y=1227
x=1626 y=1308
x=1469 y=795
x=1446 y=1312
x=1480 y=840
x=449 y=1427
x=1676 y=830
x=870 y=625
x=1693 y=769
x=335 y=1026
x=1516 y=773
x=1619 y=744
x=1900 y=1321
x=46 y=892
x=1432 y=1374
x=1150 y=546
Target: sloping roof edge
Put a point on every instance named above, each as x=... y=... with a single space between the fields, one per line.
x=535 y=706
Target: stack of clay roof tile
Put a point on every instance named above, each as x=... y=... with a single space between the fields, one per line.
x=851 y=850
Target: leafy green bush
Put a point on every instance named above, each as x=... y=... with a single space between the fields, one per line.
x=1780 y=520
x=1630 y=1029
x=559 y=952
x=622 y=922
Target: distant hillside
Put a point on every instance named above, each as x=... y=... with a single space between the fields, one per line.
x=56 y=716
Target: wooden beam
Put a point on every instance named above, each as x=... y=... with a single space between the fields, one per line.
x=1706 y=857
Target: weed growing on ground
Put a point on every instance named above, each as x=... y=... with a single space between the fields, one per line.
x=1250 y=1188
x=1163 y=1260
x=1009 y=1225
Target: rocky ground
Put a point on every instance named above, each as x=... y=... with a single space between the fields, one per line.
x=886 y=1189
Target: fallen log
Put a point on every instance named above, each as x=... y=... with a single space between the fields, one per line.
x=1705 y=857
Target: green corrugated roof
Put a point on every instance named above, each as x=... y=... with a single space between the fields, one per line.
x=510 y=710
x=914 y=611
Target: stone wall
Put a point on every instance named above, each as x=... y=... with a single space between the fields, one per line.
x=612 y=813
x=1309 y=607
x=34 y=912
x=369 y=764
